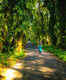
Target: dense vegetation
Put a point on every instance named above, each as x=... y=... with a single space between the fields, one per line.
x=37 y=20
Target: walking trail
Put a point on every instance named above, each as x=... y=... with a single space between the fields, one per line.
x=35 y=66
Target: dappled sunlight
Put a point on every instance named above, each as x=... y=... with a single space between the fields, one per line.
x=18 y=66
x=40 y=61
x=46 y=69
x=29 y=68
x=11 y=61
x=48 y=72
x=32 y=39
x=30 y=53
x=10 y=74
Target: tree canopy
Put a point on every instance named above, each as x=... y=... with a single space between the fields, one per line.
x=43 y=20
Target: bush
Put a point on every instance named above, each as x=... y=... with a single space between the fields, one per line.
x=20 y=54
x=3 y=58
x=11 y=55
x=58 y=52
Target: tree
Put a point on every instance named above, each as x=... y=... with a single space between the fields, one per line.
x=61 y=18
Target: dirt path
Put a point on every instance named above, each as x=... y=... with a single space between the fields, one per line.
x=42 y=66
x=36 y=66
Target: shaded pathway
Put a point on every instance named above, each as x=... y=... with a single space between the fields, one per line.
x=42 y=67
x=35 y=66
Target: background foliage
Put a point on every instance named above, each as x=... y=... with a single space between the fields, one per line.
x=39 y=20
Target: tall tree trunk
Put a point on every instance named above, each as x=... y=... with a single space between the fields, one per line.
x=52 y=23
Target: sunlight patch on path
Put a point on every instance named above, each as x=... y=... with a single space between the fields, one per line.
x=18 y=66
x=12 y=73
x=46 y=69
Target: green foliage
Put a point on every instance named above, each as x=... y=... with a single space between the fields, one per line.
x=32 y=19
x=12 y=55
x=58 y=52
x=3 y=58
x=19 y=54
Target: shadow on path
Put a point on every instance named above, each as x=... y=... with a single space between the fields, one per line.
x=35 y=66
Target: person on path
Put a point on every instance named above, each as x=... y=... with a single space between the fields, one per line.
x=40 y=48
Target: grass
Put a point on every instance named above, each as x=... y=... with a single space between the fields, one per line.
x=19 y=55
x=57 y=52
x=4 y=57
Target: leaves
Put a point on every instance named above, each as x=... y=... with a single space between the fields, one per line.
x=32 y=18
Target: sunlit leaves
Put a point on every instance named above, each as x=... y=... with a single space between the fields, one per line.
x=29 y=5
x=1 y=1
x=25 y=13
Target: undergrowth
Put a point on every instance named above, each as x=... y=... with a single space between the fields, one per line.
x=56 y=51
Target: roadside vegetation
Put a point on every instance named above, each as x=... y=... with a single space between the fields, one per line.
x=61 y=54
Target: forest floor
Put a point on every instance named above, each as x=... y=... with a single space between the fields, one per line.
x=35 y=66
